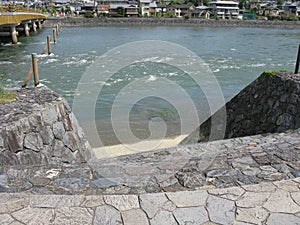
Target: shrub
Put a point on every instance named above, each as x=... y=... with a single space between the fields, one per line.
x=6 y=96
x=89 y=14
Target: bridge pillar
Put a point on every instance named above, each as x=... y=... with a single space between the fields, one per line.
x=33 y=26
x=13 y=34
x=39 y=24
x=26 y=29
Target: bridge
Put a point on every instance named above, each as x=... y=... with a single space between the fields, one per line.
x=11 y=23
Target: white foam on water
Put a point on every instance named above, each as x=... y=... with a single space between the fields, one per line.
x=5 y=62
x=256 y=65
x=152 y=78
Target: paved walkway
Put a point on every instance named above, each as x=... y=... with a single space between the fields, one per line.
x=264 y=203
x=250 y=180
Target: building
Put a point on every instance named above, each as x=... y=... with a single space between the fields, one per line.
x=145 y=7
x=224 y=9
x=180 y=10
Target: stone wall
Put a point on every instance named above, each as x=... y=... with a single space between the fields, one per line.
x=84 y=22
x=270 y=104
x=39 y=128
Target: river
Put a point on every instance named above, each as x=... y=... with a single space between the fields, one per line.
x=236 y=56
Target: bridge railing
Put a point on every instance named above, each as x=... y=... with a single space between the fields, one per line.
x=16 y=8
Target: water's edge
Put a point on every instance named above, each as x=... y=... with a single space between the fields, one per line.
x=73 y=22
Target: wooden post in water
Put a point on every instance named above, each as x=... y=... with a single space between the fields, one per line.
x=54 y=35
x=35 y=69
x=13 y=34
x=48 y=45
x=57 y=29
x=298 y=61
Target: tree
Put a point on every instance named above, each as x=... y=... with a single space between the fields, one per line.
x=121 y=11
x=279 y=4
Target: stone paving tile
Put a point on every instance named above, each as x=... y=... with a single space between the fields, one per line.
x=122 y=202
x=252 y=199
x=134 y=217
x=73 y=215
x=152 y=203
x=107 y=215
x=163 y=218
x=252 y=215
x=188 y=198
x=220 y=210
x=281 y=218
x=34 y=215
x=192 y=216
x=232 y=193
x=281 y=201
x=6 y=219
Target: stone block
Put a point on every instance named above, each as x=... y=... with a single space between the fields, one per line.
x=192 y=215
x=58 y=130
x=33 y=141
x=163 y=218
x=122 y=202
x=221 y=210
x=47 y=135
x=73 y=215
x=255 y=215
x=134 y=217
x=6 y=219
x=281 y=201
x=71 y=140
x=281 y=218
x=49 y=116
x=34 y=216
x=188 y=198
x=56 y=201
x=112 y=216
x=152 y=203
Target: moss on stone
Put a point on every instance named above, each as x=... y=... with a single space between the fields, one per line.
x=6 y=96
x=272 y=72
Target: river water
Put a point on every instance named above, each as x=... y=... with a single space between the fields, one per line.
x=236 y=56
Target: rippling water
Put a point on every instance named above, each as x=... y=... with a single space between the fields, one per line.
x=236 y=56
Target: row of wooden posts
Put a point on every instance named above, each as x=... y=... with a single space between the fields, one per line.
x=34 y=67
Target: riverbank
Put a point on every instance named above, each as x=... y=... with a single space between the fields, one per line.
x=92 y=22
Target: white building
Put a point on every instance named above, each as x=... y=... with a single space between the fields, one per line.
x=224 y=9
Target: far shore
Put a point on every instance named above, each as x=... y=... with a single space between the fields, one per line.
x=94 y=22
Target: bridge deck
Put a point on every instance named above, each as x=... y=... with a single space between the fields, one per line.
x=7 y=18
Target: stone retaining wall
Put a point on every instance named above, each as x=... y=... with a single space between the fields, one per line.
x=39 y=128
x=270 y=104
x=74 y=21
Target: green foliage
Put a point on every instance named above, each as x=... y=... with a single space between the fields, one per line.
x=186 y=16
x=290 y=17
x=121 y=11
x=89 y=14
x=103 y=14
x=272 y=72
x=1 y=164
x=6 y=96
x=169 y=14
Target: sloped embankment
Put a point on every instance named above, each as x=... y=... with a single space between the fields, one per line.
x=270 y=104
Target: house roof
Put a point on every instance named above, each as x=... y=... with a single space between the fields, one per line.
x=145 y=1
x=203 y=7
x=180 y=6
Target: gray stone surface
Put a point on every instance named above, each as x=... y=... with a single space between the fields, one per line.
x=221 y=210
x=134 y=217
x=192 y=216
x=107 y=215
x=270 y=104
x=33 y=130
x=281 y=218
